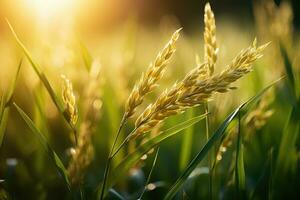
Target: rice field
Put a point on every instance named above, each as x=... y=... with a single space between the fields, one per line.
x=140 y=104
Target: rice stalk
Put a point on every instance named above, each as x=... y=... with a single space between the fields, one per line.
x=210 y=39
x=149 y=79
x=82 y=155
x=146 y=84
x=210 y=56
x=252 y=122
x=69 y=100
x=193 y=90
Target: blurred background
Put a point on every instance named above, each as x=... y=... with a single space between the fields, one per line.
x=120 y=38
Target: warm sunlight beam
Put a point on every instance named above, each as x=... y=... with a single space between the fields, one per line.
x=47 y=9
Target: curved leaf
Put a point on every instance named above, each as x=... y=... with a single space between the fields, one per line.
x=5 y=104
x=51 y=153
x=119 y=171
x=215 y=137
x=43 y=79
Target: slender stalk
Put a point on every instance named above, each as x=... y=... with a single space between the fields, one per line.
x=210 y=155
x=108 y=163
x=270 y=195
x=239 y=165
x=150 y=174
x=125 y=141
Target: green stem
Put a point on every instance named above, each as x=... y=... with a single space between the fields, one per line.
x=271 y=175
x=210 y=155
x=108 y=163
x=150 y=174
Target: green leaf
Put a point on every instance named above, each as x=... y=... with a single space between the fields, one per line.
x=51 y=153
x=291 y=128
x=288 y=67
x=287 y=146
x=150 y=174
x=115 y=194
x=3 y=123
x=86 y=56
x=121 y=170
x=239 y=167
x=187 y=141
x=199 y=157
x=5 y=104
x=214 y=138
x=43 y=78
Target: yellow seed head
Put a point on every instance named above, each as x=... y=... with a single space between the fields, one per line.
x=210 y=40
x=69 y=100
x=149 y=79
x=194 y=89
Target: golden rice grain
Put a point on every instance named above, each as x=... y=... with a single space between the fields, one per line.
x=69 y=100
x=210 y=40
x=195 y=89
x=149 y=79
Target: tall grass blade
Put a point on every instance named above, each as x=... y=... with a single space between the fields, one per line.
x=115 y=194
x=267 y=170
x=150 y=174
x=51 y=153
x=86 y=56
x=186 y=147
x=121 y=170
x=239 y=168
x=214 y=138
x=291 y=129
x=5 y=104
x=288 y=67
x=43 y=78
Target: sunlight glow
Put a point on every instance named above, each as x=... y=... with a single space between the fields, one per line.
x=47 y=9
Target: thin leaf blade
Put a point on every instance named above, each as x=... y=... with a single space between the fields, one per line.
x=51 y=153
x=132 y=158
x=215 y=137
x=5 y=104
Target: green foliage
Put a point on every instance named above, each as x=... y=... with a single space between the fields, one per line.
x=51 y=153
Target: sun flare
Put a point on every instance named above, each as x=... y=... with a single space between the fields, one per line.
x=47 y=9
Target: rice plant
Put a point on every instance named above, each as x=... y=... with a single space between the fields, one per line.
x=141 y=110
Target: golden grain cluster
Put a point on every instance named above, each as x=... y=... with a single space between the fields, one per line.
x=69 y=100
x=194 y=90
x=149 y=79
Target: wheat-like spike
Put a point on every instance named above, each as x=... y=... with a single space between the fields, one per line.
x=69 y=100
x=257 y=118
x=192 y=90
x=210 y=40
x=82 y=155
x=149 y=79
x=225 y=145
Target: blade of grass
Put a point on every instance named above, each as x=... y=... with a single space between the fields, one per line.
x=288 y=144
x=186 y=148
x=239 y=165
x=291 y=128
x=270 y=186
x=2 y=105
x=43 y=79
x=210 y=156
x=115 y=194
x=121 y=170
x=267 y=170
x=199 y=157
x=288 y=67
x=86 y=56
x=215 y=137
x=5 y=104
x=51 y=153
x=150 y=174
